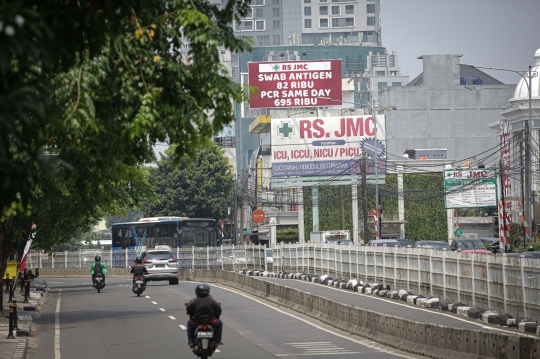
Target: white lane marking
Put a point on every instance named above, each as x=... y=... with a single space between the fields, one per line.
x=57 y=327
x=311 y=354
x=423 y=310
x=163 y=310
x=147 y=296
x=183 y=327
x=218 y=351
x=307 y=343
x=54 y=282
x=154 y=302
x=173 y=318
x=364 y=342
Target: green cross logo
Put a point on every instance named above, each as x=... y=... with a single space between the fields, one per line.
x=276 y=67
x=286 y=130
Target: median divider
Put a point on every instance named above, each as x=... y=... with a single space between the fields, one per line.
x=429 y=340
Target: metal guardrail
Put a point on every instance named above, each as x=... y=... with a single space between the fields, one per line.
x=507 y=284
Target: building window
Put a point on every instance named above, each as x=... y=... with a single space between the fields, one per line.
x=323 y=10
x=276 y=39
x=249 y=14
x=275 y=24
x=336 y=10
x=349 y=9
x=323 y=23
x=371 y=21
x=275 y=2
x=307 y=23
x=396 y=83
x=382 y=84
x=307 y=11
x=259 y=12
x=371 y=8
x=323 y=1
x=247 y=25
x=258 y=3
x=260 y=25
x=263 y=40
x=343 y=22
x=275 y=12
x=307 y=1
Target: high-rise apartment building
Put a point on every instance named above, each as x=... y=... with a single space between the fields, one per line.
x=311 y=22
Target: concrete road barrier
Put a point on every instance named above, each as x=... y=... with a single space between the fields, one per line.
x=429 y=340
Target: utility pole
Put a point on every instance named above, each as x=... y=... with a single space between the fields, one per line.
x=364 y=197
x=522 y=186
x=528 y=195
x=503 y=208
x=235 y=231
x=242 y=215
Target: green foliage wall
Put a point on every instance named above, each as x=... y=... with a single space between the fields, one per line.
x=424 y=206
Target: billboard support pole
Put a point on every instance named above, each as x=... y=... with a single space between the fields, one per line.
x=300 y=201
x=364 y=199
x=354 y=195
x=315 y=204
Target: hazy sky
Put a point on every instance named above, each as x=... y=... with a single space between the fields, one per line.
x=489 y=33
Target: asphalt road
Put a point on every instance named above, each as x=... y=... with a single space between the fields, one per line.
x=396 y=308
x=78 y=322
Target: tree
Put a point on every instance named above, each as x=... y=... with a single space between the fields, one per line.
x=88 y=86
x=200 y=187
x=73 y=71
x=130 y=216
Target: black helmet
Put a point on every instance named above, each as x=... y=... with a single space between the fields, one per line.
x=138 y=260
x=202 y=290
x=97 y=258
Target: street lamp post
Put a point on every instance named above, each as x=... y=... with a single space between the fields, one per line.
x=527 y=77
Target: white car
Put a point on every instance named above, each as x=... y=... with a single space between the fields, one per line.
x=161 y=265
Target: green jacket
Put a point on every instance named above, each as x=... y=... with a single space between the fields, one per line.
x=103 y=270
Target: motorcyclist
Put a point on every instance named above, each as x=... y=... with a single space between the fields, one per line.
x=98 y=267
x=204 y=310
x=138 y=269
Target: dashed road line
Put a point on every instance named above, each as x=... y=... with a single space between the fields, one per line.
x=163 y=310
x=173 y=318
x=147 y=296
x=154 y=302
x=183 y=327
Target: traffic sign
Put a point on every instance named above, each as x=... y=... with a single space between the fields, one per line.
x=458 y=232
x=258 y=216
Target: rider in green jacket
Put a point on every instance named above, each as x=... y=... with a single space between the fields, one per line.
x=97 y=267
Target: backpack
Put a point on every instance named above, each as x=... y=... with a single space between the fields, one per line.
x=98 y=268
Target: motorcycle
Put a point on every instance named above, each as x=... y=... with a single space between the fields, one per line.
x=139 y=286
x=99 y=283
x=204 y=345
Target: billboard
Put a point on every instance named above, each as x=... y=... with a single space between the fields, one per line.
x=327 y=145
x=295 y=84
x=471 y=188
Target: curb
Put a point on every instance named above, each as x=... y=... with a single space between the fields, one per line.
x=523 y=325
x=22 y=349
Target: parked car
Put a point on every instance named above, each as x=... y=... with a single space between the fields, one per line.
x=405 y=242
x=469 y=245
x=382 y=242
x=493 y=244
x=525 y=254
x=436 y=245
x=161 y=265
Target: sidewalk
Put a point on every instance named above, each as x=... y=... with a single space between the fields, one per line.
x=17 y=348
